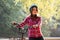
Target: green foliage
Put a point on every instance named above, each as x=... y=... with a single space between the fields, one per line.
x=8 y=13
x=16 y=10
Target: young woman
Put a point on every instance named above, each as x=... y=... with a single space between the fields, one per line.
x=33 y=22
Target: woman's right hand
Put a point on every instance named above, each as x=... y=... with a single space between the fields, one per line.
x=14 y=23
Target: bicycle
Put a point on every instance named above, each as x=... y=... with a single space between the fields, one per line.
x=22 y=32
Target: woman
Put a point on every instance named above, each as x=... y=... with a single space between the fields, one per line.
x=33 y=22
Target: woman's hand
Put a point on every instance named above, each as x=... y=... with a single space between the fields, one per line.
x=34 y=26
x=14 y=23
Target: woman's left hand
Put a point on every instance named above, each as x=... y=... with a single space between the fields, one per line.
x=34 y=26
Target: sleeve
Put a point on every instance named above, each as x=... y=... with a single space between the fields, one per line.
x=40 y=21
x=22 y=23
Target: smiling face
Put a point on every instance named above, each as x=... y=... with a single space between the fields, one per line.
x=34 y=11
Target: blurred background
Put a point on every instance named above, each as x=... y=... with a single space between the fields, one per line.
x=17 y=10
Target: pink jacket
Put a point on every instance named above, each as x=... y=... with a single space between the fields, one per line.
x=32 y=32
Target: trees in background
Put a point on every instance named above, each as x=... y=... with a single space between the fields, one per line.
x=16 y=10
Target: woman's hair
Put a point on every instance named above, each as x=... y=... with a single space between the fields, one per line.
x=31 y=8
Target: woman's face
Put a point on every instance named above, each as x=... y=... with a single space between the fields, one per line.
x=34 y=11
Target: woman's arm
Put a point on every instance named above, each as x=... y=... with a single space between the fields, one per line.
x=39 y=23
x=21 y=25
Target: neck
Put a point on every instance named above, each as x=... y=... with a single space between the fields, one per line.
x=33 y=16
